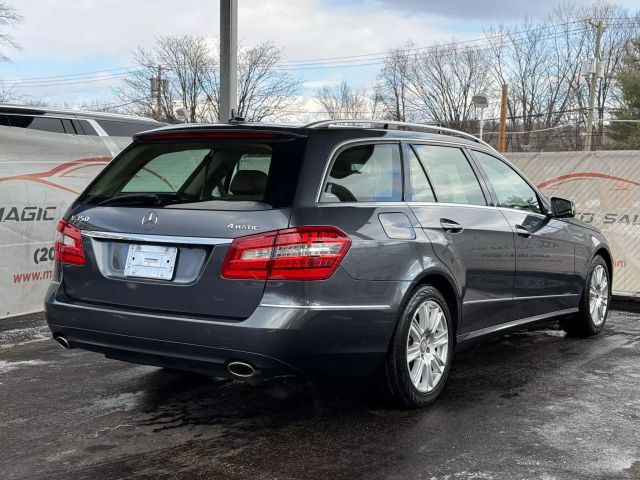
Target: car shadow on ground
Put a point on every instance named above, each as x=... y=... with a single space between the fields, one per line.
x=500 y=369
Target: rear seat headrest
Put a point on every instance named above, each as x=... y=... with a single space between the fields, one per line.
x=249 y=182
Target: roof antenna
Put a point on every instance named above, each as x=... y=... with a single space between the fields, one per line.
x=234 y=118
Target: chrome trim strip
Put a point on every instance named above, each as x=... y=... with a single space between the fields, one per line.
x=327 y=307
x=535 y=297
x=448 y=204
x=515 y=323
x=489 y=300
x=138 y=237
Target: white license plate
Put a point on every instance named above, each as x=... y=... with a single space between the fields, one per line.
x=151 y=261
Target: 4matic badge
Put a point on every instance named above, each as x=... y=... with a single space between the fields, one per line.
x=242 y=226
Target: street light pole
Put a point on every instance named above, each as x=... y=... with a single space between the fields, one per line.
x=592 y=88
x=480 y=101
x=228 y=60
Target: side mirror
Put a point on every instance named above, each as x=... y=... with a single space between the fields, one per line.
x=562 y=208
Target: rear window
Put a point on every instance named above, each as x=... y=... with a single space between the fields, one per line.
x=200 y=175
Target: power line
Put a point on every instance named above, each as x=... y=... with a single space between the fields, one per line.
x=369 y=59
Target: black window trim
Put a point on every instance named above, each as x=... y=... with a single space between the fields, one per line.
x=408 y=190
x=342 y=146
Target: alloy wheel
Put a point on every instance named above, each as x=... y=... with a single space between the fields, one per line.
x=598 y=295
x=427 y=346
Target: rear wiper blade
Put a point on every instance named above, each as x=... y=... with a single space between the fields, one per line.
x=133 y=199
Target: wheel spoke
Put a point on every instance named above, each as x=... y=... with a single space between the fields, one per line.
x=604 y=286
x=414 y=332
x=413 y=352
x=598 y=273
x=416 y=372
x=422 y=316
x=429 y=375
x=439 y=339
x=438 y=363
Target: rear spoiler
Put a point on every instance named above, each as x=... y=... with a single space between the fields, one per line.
x=161 y=135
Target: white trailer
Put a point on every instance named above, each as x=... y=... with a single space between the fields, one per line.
x=47 y=157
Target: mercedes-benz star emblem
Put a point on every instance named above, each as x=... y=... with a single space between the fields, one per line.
x=149 y=220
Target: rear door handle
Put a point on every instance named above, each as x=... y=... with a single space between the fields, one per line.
x=523 y=232
x=450 y=226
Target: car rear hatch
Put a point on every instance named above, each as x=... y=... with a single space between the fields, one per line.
x=157 y=223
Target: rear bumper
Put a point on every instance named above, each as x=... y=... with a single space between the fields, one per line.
x=277 y=340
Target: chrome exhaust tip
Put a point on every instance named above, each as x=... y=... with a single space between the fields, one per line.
x=64 y=343
x=241 y=369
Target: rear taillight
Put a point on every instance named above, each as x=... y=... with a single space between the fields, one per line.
x=301 y=253
x=68 y=244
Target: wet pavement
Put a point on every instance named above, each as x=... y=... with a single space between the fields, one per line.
x=533 y=405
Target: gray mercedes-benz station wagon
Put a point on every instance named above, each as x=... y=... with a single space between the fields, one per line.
x=352 y=247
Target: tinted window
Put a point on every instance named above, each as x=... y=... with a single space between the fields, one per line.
x=195 y=173
x=451 y=175
x=44 y=124
x=4 y=121
x=166 y=172
x=420 y=188
x=68 y=126
x=86 y=128
x=365 y=173
x=117 y=128
x=511 y=189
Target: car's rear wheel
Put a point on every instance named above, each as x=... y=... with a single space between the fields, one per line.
x=419 y=357
x=594 y=303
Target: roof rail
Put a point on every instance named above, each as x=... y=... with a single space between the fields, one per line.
x=409 y=126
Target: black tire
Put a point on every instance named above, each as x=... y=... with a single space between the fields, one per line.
x=396 y=371
x=582 y=324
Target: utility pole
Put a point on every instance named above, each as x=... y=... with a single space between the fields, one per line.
x=595 y=67
x=228 y=60
x=502 y=136
x=158 y=86
x=159 y=93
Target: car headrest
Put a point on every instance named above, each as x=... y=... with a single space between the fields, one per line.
x=249 y=182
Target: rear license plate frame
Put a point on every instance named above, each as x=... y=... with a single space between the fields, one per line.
x=151 y=262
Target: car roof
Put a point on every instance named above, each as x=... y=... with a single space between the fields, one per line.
x=40 y=110
x=305 y=130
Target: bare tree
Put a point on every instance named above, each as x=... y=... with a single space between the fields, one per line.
x=343 y=101
x=8 y=95
x=188 y=68
x=264 y=91
x=620 y=26
x=392 y=87
x=540 y=60
x=8 y=17
x=442 y=81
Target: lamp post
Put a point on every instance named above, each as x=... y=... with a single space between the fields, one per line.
x=480 y=101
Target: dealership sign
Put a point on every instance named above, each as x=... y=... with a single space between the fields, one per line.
x=605 y=186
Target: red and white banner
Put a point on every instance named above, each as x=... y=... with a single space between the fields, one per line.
x=41 y=173
x=605 y=186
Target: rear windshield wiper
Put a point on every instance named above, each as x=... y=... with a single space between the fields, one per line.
x=133 y=199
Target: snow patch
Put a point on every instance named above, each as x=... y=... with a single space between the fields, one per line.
x=6 y=367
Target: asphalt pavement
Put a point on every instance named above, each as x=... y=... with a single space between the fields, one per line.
x=532 y=405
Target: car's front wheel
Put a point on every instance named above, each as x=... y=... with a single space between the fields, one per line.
x=594 y=303
x=419 y=357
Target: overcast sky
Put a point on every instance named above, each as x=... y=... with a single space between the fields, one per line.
x=60 y=37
